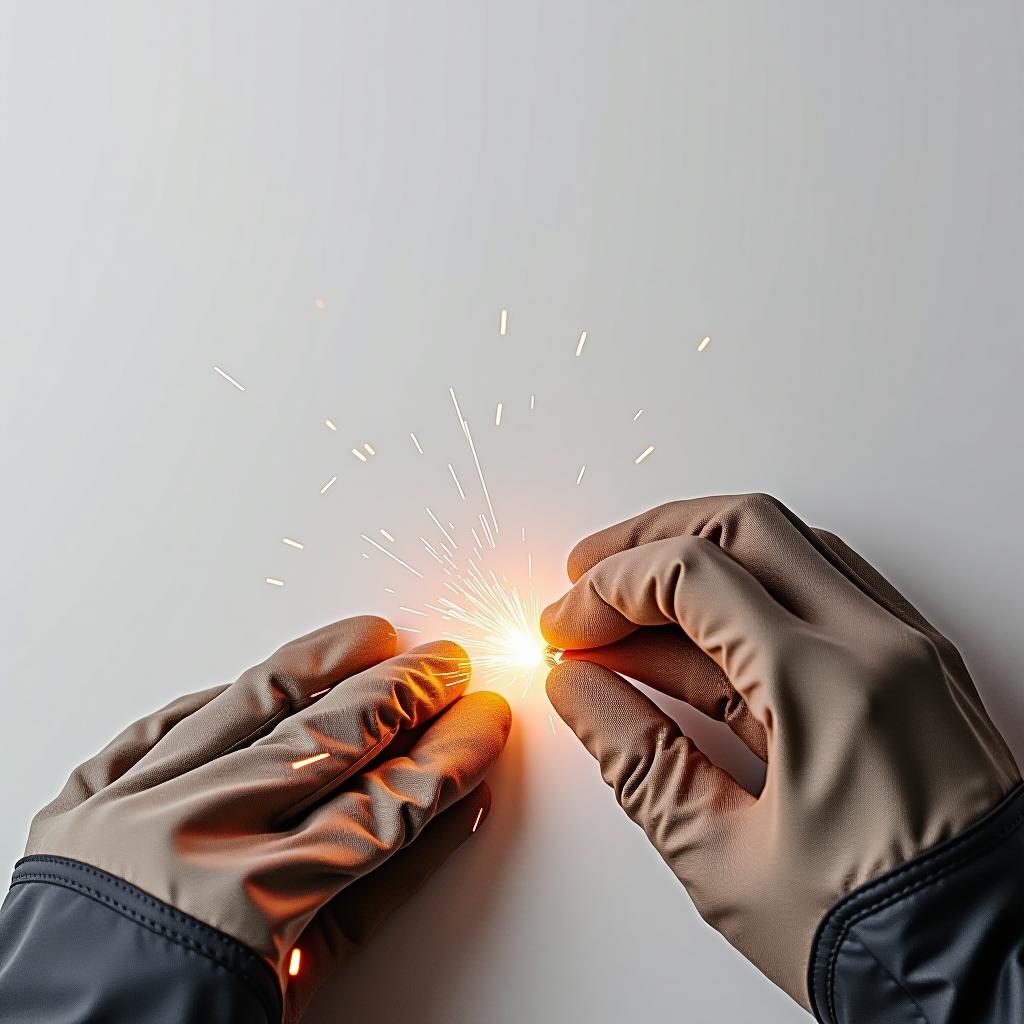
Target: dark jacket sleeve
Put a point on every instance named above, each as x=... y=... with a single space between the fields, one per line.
x=938 y=941
x=78 y=945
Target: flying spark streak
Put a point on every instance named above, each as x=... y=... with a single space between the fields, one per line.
x=523 y=531
x=394 y=558
x=312 y=759
x=529 y=566
x=358 y=454
x=533 y=399
x=294 y=962
x=388 y=590
x=412 y=611
x=330 y=425
x=462 y=493
x=639 y=413
x=326 y=486
x=274 y=582
x=703 y=345
x=416 y=442
x=292 y=543
x=551 y=720
x=229 y=378
x=387 y=536
x=487 y=531
x=433 y=553
x=479 y=815
x=643 y=455
x=437 y=523
x=408 y=629
x=479 y=542
x=582 y=342
x=504 y=322
x=369 y=449
x=476 y=459
x=583 y=470
x=497 y=416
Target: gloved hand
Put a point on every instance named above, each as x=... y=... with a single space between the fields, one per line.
x=276 y=809
x=877 y=743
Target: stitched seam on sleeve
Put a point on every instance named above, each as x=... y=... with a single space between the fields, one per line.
x=926 y=879
x=153 y=925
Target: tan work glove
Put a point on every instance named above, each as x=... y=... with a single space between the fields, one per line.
x=878 y=746
x=276 y=809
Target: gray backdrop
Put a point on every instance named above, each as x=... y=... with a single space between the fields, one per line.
x=831 y=192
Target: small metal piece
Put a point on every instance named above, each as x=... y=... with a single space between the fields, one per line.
x=552 y=655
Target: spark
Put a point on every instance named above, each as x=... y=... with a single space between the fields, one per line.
x=394 y=558
x=388 y=590
x=529 y=566
x=523 y=532
x=294 y=962
x=326 y=486
x=408 y=629
x=643 y=455
x=320 y=303
x=582 y=342
x=292 y=543
x=639 y=413
x=330 y=424
x=551 y=721
x=472 y=448
x=369 y=449
x=583 y=470
x=274 y=582
x=437 y=522
x=358 y=454
x=387 y=536
x=487 y=531
x=462 y=493
x=703 y=345
x=497 y=416
x=312 y=759
x=412 y=611
x=432 y=550
x=229 y=378
x=533 y=399
x=508 y=639
x=479 y=815
x=416 y=442
x=504 y=322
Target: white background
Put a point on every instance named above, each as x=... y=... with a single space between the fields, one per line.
x=832 y=192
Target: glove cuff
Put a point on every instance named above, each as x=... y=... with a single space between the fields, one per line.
x=937 y=939
x=121 y=954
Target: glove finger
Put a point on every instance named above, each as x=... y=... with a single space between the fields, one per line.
x=348 y=922
x=315 y=751
x=660 y=778
x=872 y=582
x=694 y=584
x=381 y=810
x=267 y=693
x=126 y=749
x=772 y=543
x=665 y=658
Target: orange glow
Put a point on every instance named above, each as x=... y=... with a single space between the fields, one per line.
x=294 y=962
x=308 y=760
